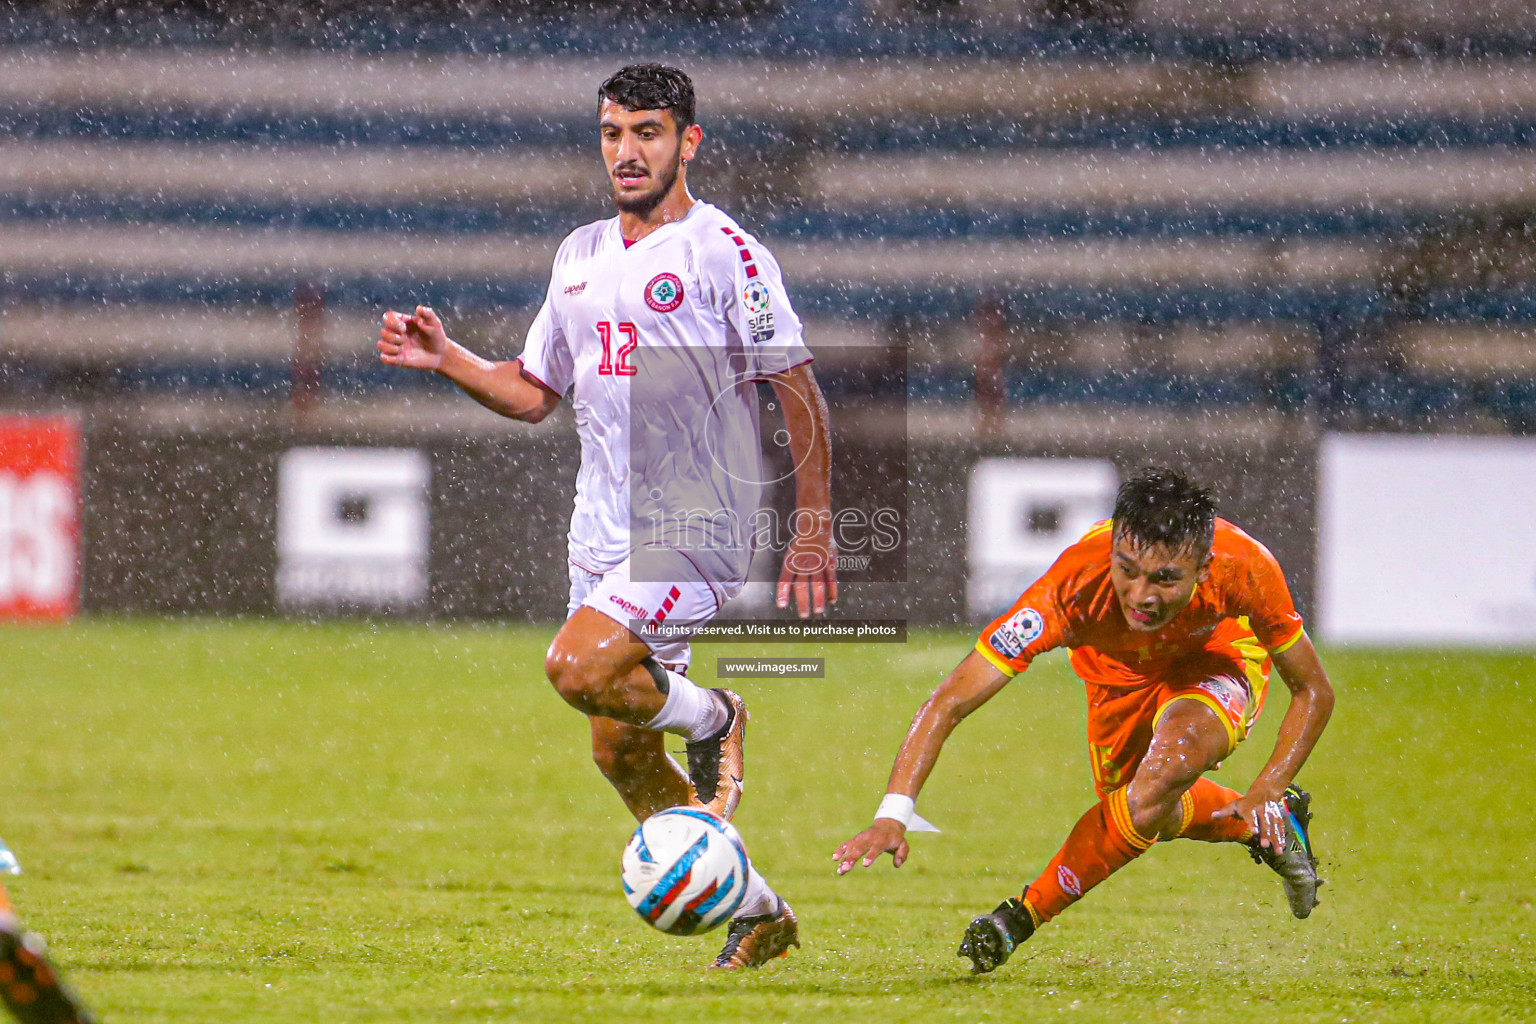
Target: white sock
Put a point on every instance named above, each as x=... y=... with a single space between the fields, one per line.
x=690 y=710
x=759 y=898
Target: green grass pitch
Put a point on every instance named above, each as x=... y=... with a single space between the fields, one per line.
x=266 y=821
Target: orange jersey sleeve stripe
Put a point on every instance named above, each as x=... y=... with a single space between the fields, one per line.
x=1295 y=638
x=992 y=656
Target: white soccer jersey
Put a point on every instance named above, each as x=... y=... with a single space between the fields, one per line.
x=659 y=344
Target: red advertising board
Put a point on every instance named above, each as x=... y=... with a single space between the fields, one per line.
x=39 y=517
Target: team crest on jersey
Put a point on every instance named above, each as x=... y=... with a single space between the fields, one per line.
x=664 y=293
x=758 y=302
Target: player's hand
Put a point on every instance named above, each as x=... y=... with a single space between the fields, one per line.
x=417 y=342
x=809 y=573
x=886 y=835
x=1262 y=807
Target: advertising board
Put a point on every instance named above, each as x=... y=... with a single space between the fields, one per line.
x=1427 y=540
x=39 y=517
x=1023 y=513
x=352 y=527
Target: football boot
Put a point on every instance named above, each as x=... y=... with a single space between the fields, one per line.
x=991 y=938
x=717 y=764
x=29 y=986
x=753 y=941
x=1296 y=865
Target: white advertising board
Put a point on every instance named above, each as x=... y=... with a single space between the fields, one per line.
x=1427 y=540
x=1023 y=514
x=352 y=527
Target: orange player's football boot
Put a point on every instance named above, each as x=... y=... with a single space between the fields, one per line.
x=1295 y=864
x=991 y=938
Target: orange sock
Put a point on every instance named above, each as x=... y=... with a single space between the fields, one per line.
x=1102 y=842
x=1204 y=799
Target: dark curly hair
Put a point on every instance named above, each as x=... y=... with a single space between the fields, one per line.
x=1162 y=507
x=651 y=87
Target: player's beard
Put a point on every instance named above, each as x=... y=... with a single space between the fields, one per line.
x=641 y=206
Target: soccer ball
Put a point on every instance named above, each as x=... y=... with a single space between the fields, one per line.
x=684 y=870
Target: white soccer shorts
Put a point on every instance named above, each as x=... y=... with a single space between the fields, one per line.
x=643 y=607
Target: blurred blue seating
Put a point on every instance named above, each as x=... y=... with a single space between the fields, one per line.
x=1497 y=138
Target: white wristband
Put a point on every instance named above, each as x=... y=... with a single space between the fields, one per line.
x=897 y=808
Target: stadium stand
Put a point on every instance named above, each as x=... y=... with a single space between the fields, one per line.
x=1169 y=204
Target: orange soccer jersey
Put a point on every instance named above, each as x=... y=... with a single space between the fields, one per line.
x=1216 y=650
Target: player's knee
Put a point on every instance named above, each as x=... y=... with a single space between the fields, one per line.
x=579 y=675
x=1154 y=795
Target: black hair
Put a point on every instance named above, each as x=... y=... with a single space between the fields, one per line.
x=1162 y=507
x=651 y=87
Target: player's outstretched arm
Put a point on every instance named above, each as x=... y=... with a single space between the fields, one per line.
x=1311 y=706
x=972 y=683
x=419 y=342
x=809 y=573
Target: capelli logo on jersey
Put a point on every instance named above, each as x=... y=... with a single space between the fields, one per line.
x=664 y=293
x=575 y=289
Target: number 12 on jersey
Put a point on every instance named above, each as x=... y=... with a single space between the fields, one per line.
x=617 y=364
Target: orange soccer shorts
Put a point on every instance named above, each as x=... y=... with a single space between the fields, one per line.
x=1231 y=680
